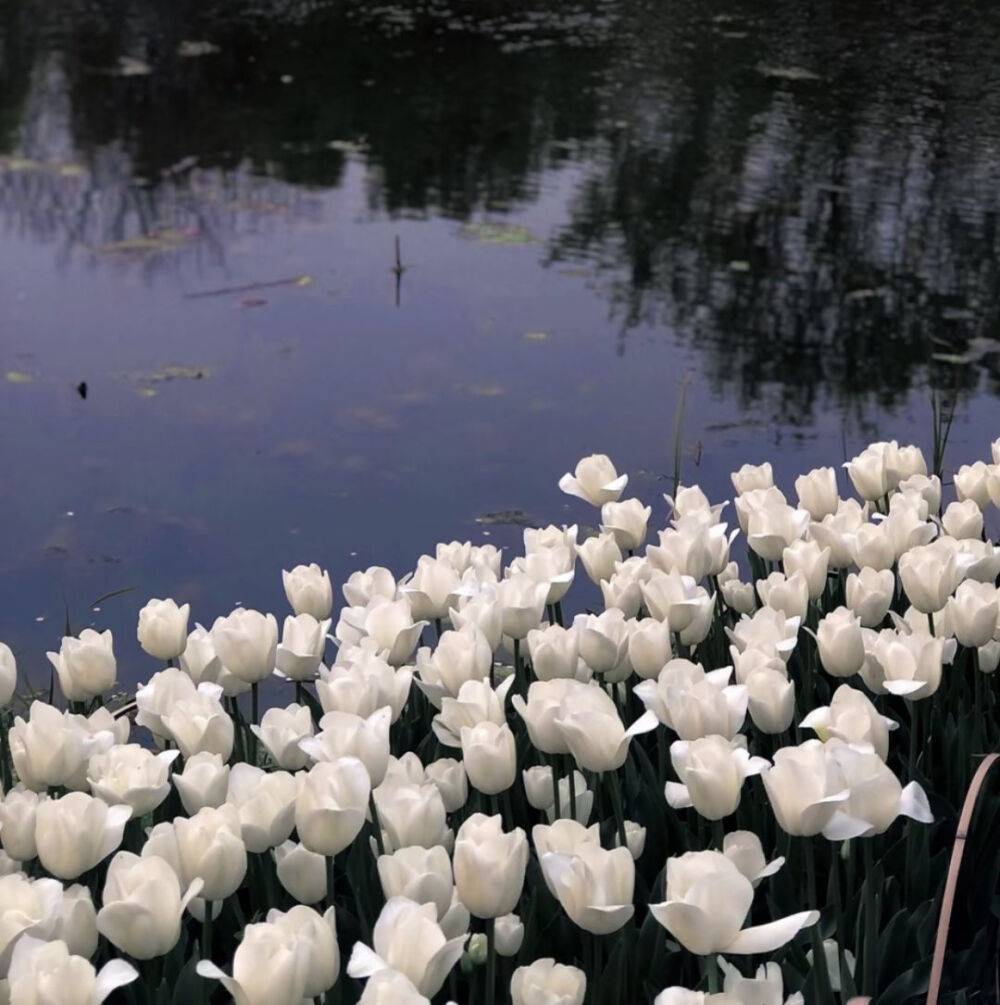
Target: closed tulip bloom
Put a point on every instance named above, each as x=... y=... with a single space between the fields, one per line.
x=693 y=703
x=411 y=814
x=868 y=472
x=389 y=987
x=131 y=775
x=972 y=482
x=361 y=681
x=422 y=874
x=963 y=519
x=817 y=492
x=684 y=996
x=78 y=924
x=200 y=723
x=28 y=908
x=303 y=642
x=593 y=886
x=604 y=641
x=331 y=805
x=707 y=901
x=803 y=788
x=308 y=590
x=595 y=735
x=485 y=612
x=635 y=839
x=751 y=477
x=930 y=575
x=316 y=937
x=743 y=849
x=247 y=642
x=8 y=674
x=771 y=700
x=876 y=795
x=45 y=973
x=476 y=702
x=522 y=602
x=554 y=651
x=811 y=560
x=788 y=595
x=76 y=832
x=163 y=628
x=546 y=982
x=595 y=480
x=563 y=837
x=627 y=521
x=750 y=660
x=161 y=693
x=911 y=664
x=459 y=656
x=200 y=661
x=973 y=613
x=738 y=596
x=624 y=589
x=541 y=538
x=869 y=595
x=407 y=938
x=691 y=500
x=142 y=905
x=210 y=846
x=269 y=967
x=872 y=548
x=852 y=718
x=543 y=707
x=432 y=589
x=345 y=735
x=85 y=665
x=599 y=555
x=489 y=865
x=838 y=640
x=928 y=487
x=280 y=731
x=265 y=801
x=765 y=986
x=301 y=872
x=489 y=756
x=697 y=629
x=755 y=500
x=203 y=782
x=17 y=823
x=906 y=525
x=692 y=548
x=582 y=797
x=711 y=772
x=649 y=648
x=538 y=786
x=449 y=776
x=772 y=529
x=375 y=582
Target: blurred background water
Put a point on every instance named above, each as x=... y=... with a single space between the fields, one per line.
x=777 y=220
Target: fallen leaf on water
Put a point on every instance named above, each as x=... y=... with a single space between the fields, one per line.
x=486 y=390
x=190 y=49
x=19 y=377
x=253 y=302
x=535 y=336
x=497 y=233
x=146 y=392
x=787 y=72
x=303 y=280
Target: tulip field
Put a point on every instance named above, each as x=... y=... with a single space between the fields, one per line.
x=736 y=781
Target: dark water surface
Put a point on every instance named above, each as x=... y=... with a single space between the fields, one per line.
x=782 y=211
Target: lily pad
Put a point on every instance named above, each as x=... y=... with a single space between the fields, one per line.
x=511 y=517
x=497 y=233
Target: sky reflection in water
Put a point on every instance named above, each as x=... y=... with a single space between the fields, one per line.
x=595 y=203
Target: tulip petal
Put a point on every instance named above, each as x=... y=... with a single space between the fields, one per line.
x=843 y=827
x=206 y=968
x=646 y=722
x=767 y=938
x=692 y=928
x=114 y=974
x=677 y=796
x=913 y=803
x=903 y=687
x=365 y=961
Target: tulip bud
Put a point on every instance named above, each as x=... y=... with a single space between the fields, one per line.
x=635 y=839
x=868 y=472
x=345 y=735
x=247 y=642
x=817 y=492
x=869 y=595
x=204 y=782
x=627 y=522
x=200 y=724
x=554 y=651
x=316 y=940
x=303 y=643
x=522 y=602
x=973 y=613
x=972 y=482
x=509 y=935
x=78 y=924
x=331 y=805
x=811 y=560
x=711 y=772
x=86 y=665
x=838 y=640
x=17 y=823
x=790 y=596
x=422 y=874
x=74 y=833
x=265 y=802
x=537 y=787
x=433 y=588
x=375 y=583
x=751 y=477
x=743 y=849
x=872 y=548
x=163 y=629
x=771 y=700
x=489 y=866
x=411 y=814
x=8 y=675
x=142 y=905
x=963 y=519
x=280 y=731
x=451 y=781
x=599 y=555
x=803 y=793
x=738 y=596
x=308 y=590
x=649 y=648
x=546 y=982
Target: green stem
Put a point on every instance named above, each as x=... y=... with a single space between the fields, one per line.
x=819 y=954
x=616 y=802
x=571 y=775
x=206 y=931
x=555 y=788
x=869 y=957
x=330 y=885
x=376 y=823
x=718 y=835
x=491 y=961
x=711 y=974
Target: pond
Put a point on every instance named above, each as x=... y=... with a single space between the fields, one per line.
x=697 y=232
